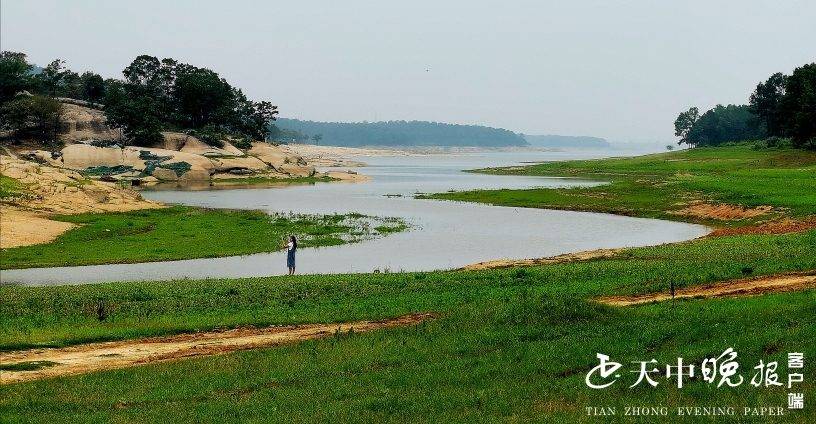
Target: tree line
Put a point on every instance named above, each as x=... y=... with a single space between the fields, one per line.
x=394 y=133
x=153 y=96
x=781 y=108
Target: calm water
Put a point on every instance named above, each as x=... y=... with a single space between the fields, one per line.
x=444 y=234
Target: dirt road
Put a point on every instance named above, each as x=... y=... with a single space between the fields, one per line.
x=109 y=355
x=733 y=288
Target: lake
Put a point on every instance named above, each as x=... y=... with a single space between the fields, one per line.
x=444 y=234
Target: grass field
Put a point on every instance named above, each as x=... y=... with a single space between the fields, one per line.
x=654 y=186
x=509 y=345
x=181 y=232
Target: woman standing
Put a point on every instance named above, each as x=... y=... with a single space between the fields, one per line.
x=291 y=248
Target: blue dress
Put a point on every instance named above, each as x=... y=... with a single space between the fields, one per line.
x=290 y=256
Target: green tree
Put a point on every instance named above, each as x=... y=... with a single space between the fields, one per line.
x=132 y=108
x=684 y=123
x=93 y=87
x=202 y=98
x=15 y=74
x=36 y=116
x=765 y=103
x=158 y=94
x=316 y=138
x=798 y=106
x=48 y=81
x=723 y=124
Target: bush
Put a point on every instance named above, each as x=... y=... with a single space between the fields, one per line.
x=242 y=142
x=209 y=134
x=37 y=117
x=773 y=143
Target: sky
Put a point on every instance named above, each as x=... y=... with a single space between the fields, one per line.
x=622 y=70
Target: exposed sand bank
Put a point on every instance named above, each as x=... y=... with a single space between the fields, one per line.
x=47 y=191
x=723 y=212
x=110 y=355
x=24 y=228
x=569 y=257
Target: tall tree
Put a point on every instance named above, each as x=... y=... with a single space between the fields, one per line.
x=15 y=74
x=93 y=87
x=183 y=96
x=723 y=124
x=684 y=123
x=798 y=106
x=48 y=81
x=765 y=103
x=133 y=108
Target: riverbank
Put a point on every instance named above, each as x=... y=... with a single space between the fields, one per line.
x=181 y=232
x=31 y=193
x=58 y=217
x=336 y=156
x=722 y=187
x=509 y=344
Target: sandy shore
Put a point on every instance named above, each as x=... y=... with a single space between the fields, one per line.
x=24 y=228
x=341 y=157
x=24 y=219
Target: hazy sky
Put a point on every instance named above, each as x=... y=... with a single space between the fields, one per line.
x=615 y=69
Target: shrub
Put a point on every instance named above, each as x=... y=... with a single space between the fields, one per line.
x=37 y=117
x=773 y=143
x=209 y=134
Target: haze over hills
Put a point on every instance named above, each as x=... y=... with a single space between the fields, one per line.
x=567 y=141
x=394 y=133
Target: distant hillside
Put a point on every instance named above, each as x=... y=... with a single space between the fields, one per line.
x=567 y=141
x=394 y=133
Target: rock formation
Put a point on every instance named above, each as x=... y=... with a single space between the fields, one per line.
x=93 y=148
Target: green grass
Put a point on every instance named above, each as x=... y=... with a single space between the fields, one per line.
x=10 y=188
x=509 y=345
x=181 y=232
x=65 y=315
x=654 y=186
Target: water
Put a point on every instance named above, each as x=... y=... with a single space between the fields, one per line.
x=444 y=234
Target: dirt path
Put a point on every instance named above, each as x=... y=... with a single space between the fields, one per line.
x=733 y=288
x=102 y=356
x=569 y=257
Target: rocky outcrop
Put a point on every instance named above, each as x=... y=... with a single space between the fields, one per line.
x=169 y=165
x=59 y=190
x=281 y=160
x=95 y=149
x=80 y=123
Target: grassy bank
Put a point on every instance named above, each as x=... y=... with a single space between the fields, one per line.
x=661 y=185
x=510 y=345
x=65 y=315
x=183 y=233
x=10 y=188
